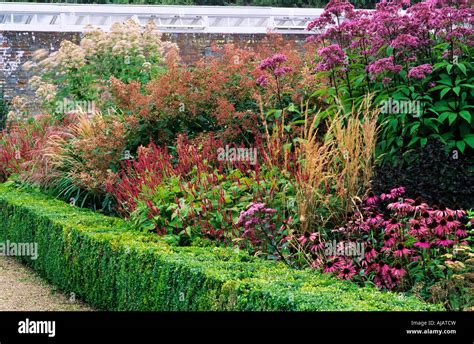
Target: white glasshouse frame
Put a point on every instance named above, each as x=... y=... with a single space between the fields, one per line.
x=204 y=19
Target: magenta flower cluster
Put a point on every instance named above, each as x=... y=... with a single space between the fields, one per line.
x=331 y=57
x=402 y=235
x=420 y=72
x=259 y=228
x=389 y=40
x=273 y=62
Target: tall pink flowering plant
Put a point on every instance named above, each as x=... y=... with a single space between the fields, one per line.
x=418 y=55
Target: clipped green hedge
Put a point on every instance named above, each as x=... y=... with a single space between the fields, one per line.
x=113 y=269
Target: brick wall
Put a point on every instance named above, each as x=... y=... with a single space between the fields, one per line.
x=16 y=48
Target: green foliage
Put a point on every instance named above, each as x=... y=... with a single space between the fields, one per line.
x=112 y=269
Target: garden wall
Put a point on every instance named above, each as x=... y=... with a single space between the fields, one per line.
x=112 y=268
x=16 y=48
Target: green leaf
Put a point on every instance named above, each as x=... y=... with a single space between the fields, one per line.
x=469 y=139
x=443 y=92
x=461 y=145
x=466 y=115
x=449 y=67
x=462 y=67
x=456 y=90
x=452 y=117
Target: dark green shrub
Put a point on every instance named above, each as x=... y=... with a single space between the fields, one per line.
x=91 y=255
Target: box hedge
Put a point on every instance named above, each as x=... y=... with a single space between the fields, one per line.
x=111 y=268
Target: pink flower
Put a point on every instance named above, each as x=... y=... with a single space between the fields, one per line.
x=331 y=56
x=262 y=81
x=422 y=243
x=451 y=222
x=388 y=241
x=374 y=219
x=405 y=41
x=383 y=65
x=401 y=251
x=271 y=63
x=346 y=271
x=461 y=232
x=442 y=227
x=317 y=245
x=330 y=267
x=440 y=212
x=371 y=199
x=370 y=253
x=307 y=236
x=420 y=72
x=443 y=241
x=280 y=71
x=398 y=271
x=382 y=268
x=393 y=224
x=418 y=229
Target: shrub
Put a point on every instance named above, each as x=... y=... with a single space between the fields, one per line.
x=193 y=194
x=81 y=72
x=437 y=175
x=421 y=57
x=219 y=94
x=112 y=269
x=406 y=246
x=18 y=143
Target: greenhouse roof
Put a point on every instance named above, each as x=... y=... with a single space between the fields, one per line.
x=198 y=19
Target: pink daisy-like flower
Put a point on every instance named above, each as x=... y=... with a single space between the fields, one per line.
x=385 y=196
x=443 y=241
x=419 y=206
x=400 y=206
x=374 y=219
x=370 y=253
x=398 y=271
x=422 y=243
x=346 y=271
x=440 y=212
x=442 y=227
x=461 y=232
x=457 y=212
x=393 y=224
x=426 y=217
x=307 y=236
x=451 y=222
x=317 y=245
x=397 y=192
x=417 y=229
x=371 y=199
x=401 y=251
x=388 y=241
x=382 y=268
x=330 y=267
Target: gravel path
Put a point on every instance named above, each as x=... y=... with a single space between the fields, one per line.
x=21 y=289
